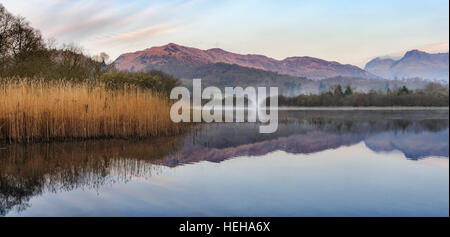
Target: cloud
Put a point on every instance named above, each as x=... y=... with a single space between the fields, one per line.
x=113 y=26
x=138 y=35
x=439 y=47
x=66 y=20
x=118 y=26
x=82 y=27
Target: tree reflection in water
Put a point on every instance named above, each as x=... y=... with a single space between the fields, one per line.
x=30 y=170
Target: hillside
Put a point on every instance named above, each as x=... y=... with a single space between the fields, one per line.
x=181 y=61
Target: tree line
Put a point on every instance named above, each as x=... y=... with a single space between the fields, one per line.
x=433 y=94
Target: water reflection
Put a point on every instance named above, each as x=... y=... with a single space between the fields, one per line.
x=33 y=170
x=27 y=171
x=418 y=134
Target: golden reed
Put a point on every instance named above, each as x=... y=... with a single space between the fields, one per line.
x=36 y=111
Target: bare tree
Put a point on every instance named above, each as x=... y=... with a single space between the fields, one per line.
x=19 y=42
x=101 y=58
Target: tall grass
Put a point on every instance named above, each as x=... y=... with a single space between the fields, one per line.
x=32 y=110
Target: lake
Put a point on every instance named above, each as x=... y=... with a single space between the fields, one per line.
x=318 y=163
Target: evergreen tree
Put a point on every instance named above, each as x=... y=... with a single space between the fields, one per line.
x=403 y=90
x=348 y=90
x=338 y=91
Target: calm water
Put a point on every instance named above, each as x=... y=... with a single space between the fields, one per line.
x=318 y=163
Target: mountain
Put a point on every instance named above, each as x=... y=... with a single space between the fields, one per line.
x=414 y=63
x=182 y=61
x=224 y=74
x=293 y=76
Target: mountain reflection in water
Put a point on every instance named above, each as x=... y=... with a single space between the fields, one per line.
x=27 y=171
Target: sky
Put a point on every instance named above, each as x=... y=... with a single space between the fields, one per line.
x=350 y=32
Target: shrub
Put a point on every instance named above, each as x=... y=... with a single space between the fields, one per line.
x=154 y=80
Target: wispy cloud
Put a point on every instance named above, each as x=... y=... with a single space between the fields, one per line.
x=138 y=35
x=96 y=24
x=81 y=28
x=439 y=47
x=278 y=30
x=66 y=20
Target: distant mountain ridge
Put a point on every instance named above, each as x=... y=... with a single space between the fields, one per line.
x=180 y=61
x=414 y=63
x=293 y=76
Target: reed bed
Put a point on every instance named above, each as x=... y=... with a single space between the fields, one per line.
x=32 y=110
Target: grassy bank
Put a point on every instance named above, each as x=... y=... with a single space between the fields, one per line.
x=36 y=111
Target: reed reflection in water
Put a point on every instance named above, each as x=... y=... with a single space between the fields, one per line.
x=28 y=171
